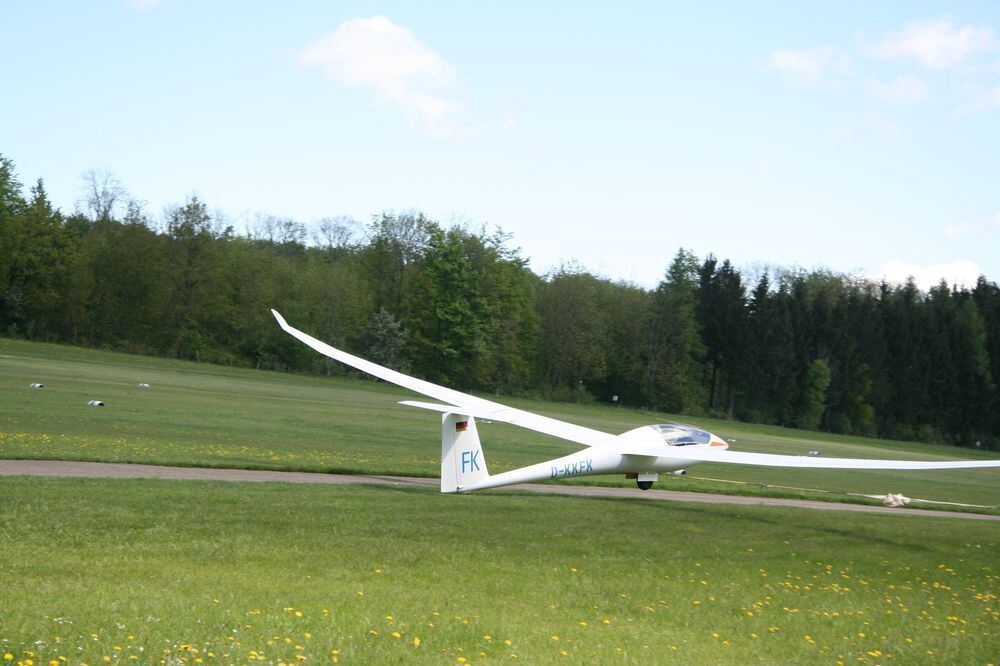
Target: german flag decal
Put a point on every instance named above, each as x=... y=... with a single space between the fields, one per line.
x=461 y=426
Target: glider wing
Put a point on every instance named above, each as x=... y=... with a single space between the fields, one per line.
x=695 y=454
x=456 y=401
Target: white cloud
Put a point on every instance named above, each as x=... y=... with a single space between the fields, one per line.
x=961 y=272
x=873 y=127
x=985 y=100
x=903 y=89
x=144 y=5
x=977 y=228
x=938 y=44
x=388 y=59
x=808 y=63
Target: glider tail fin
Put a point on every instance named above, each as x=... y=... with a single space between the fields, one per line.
x=462 y=460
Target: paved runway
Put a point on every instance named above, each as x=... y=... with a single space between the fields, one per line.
x=60 y=468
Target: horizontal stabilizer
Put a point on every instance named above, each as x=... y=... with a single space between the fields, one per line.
x=518 y=417
x=434 y=406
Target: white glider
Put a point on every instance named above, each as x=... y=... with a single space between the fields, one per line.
x=642 y=453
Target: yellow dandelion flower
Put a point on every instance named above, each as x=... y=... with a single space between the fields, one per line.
x=554 y=637
x=396 y=634
x=416 y=642
x=7 y=656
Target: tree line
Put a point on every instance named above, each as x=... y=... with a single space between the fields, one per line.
x=460 y=306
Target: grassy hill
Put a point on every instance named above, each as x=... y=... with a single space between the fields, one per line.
x=198 y=414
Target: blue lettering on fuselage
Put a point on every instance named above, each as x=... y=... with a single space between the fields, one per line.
x=469 y=460
x=573 y=468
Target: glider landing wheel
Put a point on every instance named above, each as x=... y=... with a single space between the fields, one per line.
x=646 y=480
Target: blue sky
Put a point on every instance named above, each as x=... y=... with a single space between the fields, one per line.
x=861 y=137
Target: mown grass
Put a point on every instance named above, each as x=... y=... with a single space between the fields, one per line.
x=118 y=571
x=197 y=414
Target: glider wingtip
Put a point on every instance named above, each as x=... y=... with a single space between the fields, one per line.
x=281 y=320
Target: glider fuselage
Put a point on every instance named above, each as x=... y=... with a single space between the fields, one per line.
x=609 y=458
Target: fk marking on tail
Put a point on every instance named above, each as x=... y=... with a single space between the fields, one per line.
x=470 y=461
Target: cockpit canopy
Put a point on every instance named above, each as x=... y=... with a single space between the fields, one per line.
x=675 y=434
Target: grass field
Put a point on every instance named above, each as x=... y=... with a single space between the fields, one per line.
x=197 y=414
x=97 y=571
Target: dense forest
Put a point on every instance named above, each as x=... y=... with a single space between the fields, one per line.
x=459 y=306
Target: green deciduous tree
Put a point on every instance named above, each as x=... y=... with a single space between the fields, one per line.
x=196 y=294
x=571 y=323
x=387 y=341
x=36 y=257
